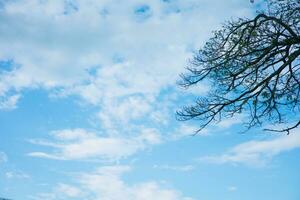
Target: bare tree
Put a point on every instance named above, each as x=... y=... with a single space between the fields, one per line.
x=253 y=67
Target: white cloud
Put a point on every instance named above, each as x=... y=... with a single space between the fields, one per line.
x=103 y=53
x=9 y=102
x=107 y=184
x=257 y=152
x=80 y=144
x=58 y=48
x=117 y=111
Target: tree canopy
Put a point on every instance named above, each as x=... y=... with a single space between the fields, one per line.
x=253 y=67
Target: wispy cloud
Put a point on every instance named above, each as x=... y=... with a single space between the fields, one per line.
x=80 y=144
x=257 y=152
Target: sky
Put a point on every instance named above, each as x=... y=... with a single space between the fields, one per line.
x=88 y=97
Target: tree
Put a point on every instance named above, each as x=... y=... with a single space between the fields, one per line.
x=253 y=67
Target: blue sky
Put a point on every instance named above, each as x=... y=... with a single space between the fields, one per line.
x=88 y=97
